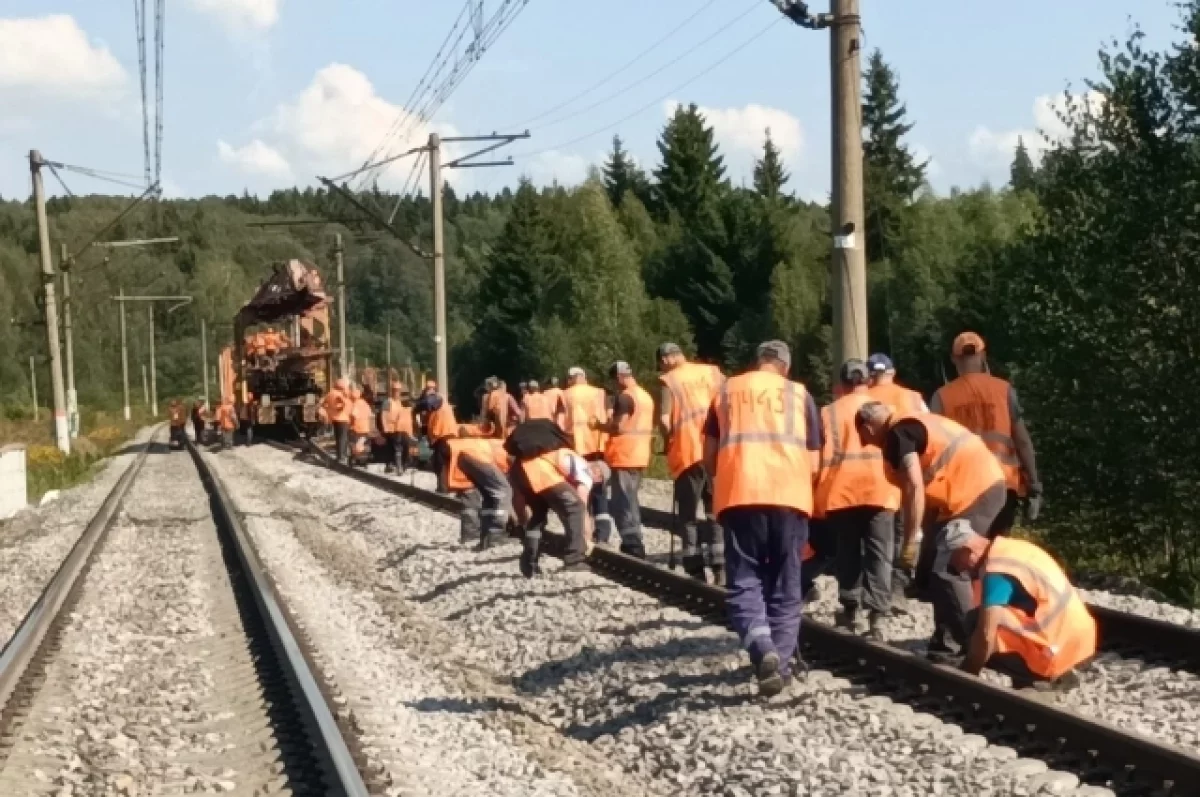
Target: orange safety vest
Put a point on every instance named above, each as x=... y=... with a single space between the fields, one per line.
x=477 y=448
x=553 y=397
x=542 y=472
x=980 y=403
x=495 y=409
x=441 y=422
x=361 y=417
x=397 y=418
x=536 y=407
x=225 y=418
x=178 y=415
x=956 y=465
x=337 y=406
x=762 y=451
x=851 y=474
x=1061 y=633
x=630 y=446
x=584 y=404
x=900 y=399
x=692 y=387
x=499 y=455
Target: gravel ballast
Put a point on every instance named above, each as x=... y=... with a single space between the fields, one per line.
x=657 y=693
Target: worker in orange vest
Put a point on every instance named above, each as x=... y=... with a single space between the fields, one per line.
x=542 y=463
x=583 y=412
x=271 y=342
x=536 y=404
x=988 y=406
x=762 y=444
x=500 y=410
x=688 y=390
x=554 y=400
x=631 y=434
x=475 y=470
x=199 y=418
x=397 y=423
x=177 y=414
x=362 y=423
x=440 y=423
x=859 y=503
x=227 y=421
x=1030 y=622
x=337 y=406
x=945 y=469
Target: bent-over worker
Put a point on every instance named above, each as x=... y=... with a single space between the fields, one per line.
x=475 y=469
x=762 y=443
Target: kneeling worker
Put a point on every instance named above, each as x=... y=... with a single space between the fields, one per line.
x=475 y=469
x=1030 y=623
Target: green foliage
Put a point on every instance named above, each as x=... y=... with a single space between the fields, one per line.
x=622 y=176
x=1023 y=174
x=769 y=174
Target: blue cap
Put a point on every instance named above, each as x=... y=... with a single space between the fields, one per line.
x=879 y=363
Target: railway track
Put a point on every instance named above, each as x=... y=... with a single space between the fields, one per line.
x=158 y=659
x=1099 y=753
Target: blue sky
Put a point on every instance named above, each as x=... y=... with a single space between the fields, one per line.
x=268 y=93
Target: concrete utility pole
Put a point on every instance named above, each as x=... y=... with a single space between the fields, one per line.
x=33 y=386
x=61 y=434
x=153 y=367
x=339 y=257
x=849 y=226
x=204 y=357
x=145 y=387
x=439 y=264
x=389 y=345
x=124 y=355
x=64 y=264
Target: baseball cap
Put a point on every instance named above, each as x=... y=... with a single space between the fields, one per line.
x=853 y=372
x=880 y=363
x=667 y=349
x=533 y=385
x=575 y=371
x=967 y=343
x=620 y=368
x=955 y=535
x=776 y=349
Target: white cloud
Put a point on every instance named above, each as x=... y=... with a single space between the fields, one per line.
x=740 y=132
x=241 y=15
x=332 y=126
x=255 y=158
x=992 y=148
x=556 y=167
x=51 y=57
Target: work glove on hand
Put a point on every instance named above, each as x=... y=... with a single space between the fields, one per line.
x=908 y=556
x=1033 y=503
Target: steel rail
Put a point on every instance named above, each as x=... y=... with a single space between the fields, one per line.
x=342 y=775
x=1098 y=751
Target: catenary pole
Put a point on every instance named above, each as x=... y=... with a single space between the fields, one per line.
x=439 y=263
x=204 y=358
x=339 y=256
x=124 y=356
x=64 y=264
x=61 y=434
x=153 y=366
x=33 y=387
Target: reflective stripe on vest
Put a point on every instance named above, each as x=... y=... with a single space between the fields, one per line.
x=441 y=422
x=477 y=449
x=584 y=403
x=692 y=388
x=957 y=467
x=496 y=412
x=630 y=446
x=542 y=472
x=852 y=475
x=980 y=402
x=397 y=418
x=762 y=451
x=1061 y=633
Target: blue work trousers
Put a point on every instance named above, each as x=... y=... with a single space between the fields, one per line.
x=763 y=546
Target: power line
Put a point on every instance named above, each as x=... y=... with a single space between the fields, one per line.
x=649 y=49
x=730 y=54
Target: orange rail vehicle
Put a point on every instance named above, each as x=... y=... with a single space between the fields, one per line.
x=281 y=364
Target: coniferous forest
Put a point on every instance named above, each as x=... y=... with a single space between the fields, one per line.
x=1083 y=274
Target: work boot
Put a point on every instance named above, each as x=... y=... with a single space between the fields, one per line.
x=577 y=567
x=875 y=626
x=635 y=549
x=718 y=572
x=770 y=681
x=693 y=565
x=529 y=559
x=847 y=619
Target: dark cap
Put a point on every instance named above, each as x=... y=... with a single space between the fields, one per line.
x=776 y=350
x=853 y=372
x=879 y=363
x=668 y=349
x=620 y=368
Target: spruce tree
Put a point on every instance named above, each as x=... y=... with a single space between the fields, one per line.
x=691 y=177
x=1023 y=174
x=769 y=174
x=622 y=175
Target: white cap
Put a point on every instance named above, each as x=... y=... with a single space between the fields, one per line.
x=955 y=535
x=575 y=371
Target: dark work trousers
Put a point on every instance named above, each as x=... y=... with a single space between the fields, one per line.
x=247 y=433
x=565 y=503
x=341 y=439
x=763 y=546
x=491 y=499
x=1007 y=518
x=824 y=545
x=226 y=439
x=179 y=435
x=398 y=445
x=703 y=542
x=952 y=596
x=865 y=537
x=627 y=514
x=900 y=578
x=437 y=462
x=198 y=432
x=598 y=501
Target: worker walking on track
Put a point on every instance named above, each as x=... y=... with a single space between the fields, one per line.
x=554 y=400
x=762 y=443
x=362 y=422
x=631 y=433
x=583 y=415
x=500 y=412
x=858 y=503
x=475 y=469
x=397 y=423
x=688 y=390
x=337 y=409
x=541 y=463
x=199 y=411
x=988 y=406
x=946 y=469
x=227 y=422
x=178 y=416
x=536 y=404
x=1030 y=622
